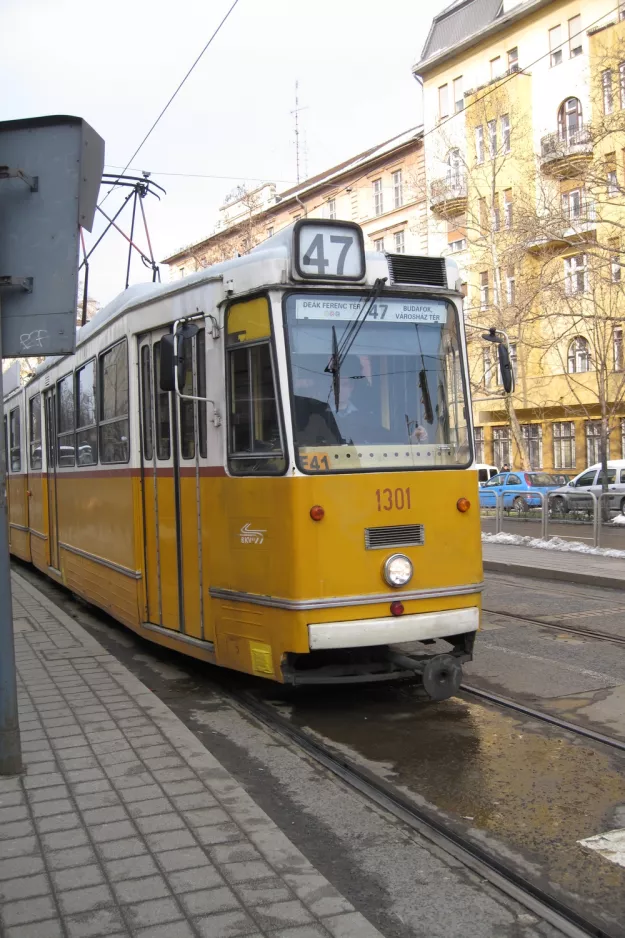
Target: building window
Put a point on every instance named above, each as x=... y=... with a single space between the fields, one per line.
x=483 y=219
x=269 y=232
x=331 y=208
x=378 y=198
x=617 y=340
x=532 y=434
x=593 y=442
x=492 y=139
x=479 y=144
x=513 y=60
x=621 y=10
x=501 y=446
x=443 y=101
x=15 y=443
x=458 y=245
x=488 y=377
x=379 y=244
x=510 y=286
x=479 y=445
x=621 y=83
x=564 y=445
x=507 y=208
x=576 y=274
x=34 y=414
x=578 y=358
x=398 y=188
x=86 y=429
x=114 y=405
x=399 y=242
x=495 y=68
x=505 y=132
x=484 y=298
x=181 y=271
x=458 y=95
x=570 y=119
x=514 y=361
x=572 y=204
x=575 y=36
x=496 y=214
x=65 y=421
x=454 y=166
x=606 y=90
x=554 y=43
x=615 y=261
x=611 y=177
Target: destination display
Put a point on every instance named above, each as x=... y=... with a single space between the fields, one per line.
x=392 y=309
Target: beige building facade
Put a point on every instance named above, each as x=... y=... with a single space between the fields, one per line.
x=383 y=189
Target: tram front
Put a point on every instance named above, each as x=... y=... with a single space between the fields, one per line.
x=375 y=535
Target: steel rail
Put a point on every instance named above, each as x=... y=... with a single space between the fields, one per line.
x=544 y=717
x=588 y=633
x=470 y=853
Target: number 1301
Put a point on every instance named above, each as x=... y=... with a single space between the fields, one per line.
x=393 y=498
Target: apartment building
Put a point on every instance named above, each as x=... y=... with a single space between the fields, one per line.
x=383 y=189
x=524 y=137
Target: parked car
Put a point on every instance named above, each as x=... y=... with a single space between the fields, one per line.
x=574 y=496
x=485 y=472
x=512 y=484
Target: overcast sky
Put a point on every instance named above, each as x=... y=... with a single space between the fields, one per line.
x=117 y=63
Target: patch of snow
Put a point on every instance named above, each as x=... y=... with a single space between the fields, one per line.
x=618 y=519
x=554 y=543
x=610 y=845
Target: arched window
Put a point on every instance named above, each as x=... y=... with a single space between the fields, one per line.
x=569 y=118
x=579 y=356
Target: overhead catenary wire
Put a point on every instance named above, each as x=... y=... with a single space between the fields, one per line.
x=178 y=89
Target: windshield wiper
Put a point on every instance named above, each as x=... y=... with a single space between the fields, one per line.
x=341 y=349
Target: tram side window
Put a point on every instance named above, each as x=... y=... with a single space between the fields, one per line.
x=187 y=408
x=255 y=444
x=161 y=409
x=65 y=434
x=86 y=415
x=200 y=351
x=15 y=440
x=34 y=413
x=114 y=423
x=146 y=404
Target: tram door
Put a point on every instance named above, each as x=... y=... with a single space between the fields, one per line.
x=174 y=454
x=51 y=451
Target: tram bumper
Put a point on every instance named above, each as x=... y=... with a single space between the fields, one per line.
x=372 y=650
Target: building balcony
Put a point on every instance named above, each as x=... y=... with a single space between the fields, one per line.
x=561 y=229
x=448 y=195
x=564 y=155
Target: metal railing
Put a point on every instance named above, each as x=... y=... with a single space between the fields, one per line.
x=556 y=145
x=451 y=186
x=598 y=516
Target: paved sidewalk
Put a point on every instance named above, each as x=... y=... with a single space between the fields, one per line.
x=569 y=566
x=124 y=824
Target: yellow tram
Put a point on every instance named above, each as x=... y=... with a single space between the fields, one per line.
x=264 y=465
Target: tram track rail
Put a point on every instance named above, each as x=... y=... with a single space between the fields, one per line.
x=429 y=824
x=586 y=633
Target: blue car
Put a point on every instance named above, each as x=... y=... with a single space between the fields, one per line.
x=512 y=484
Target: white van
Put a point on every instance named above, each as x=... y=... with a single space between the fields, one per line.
x=484 y=472
x=574 y=495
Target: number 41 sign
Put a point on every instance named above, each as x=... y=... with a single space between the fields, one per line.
x=328 y=250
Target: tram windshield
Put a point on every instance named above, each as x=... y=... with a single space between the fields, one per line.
x=399 y=398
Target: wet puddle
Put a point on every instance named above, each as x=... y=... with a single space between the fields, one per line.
x=524 y=790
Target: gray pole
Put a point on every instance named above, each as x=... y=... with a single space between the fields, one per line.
x=10 y=750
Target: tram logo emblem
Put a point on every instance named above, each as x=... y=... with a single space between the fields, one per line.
x=252 y=535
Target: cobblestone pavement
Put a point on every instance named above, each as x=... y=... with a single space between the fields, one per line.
x=124 y=824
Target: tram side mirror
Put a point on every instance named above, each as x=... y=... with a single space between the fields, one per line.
x=172 y=358
x=505 y=366
x=168 y=364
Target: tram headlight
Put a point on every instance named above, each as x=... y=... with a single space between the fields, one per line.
x=397 y=570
